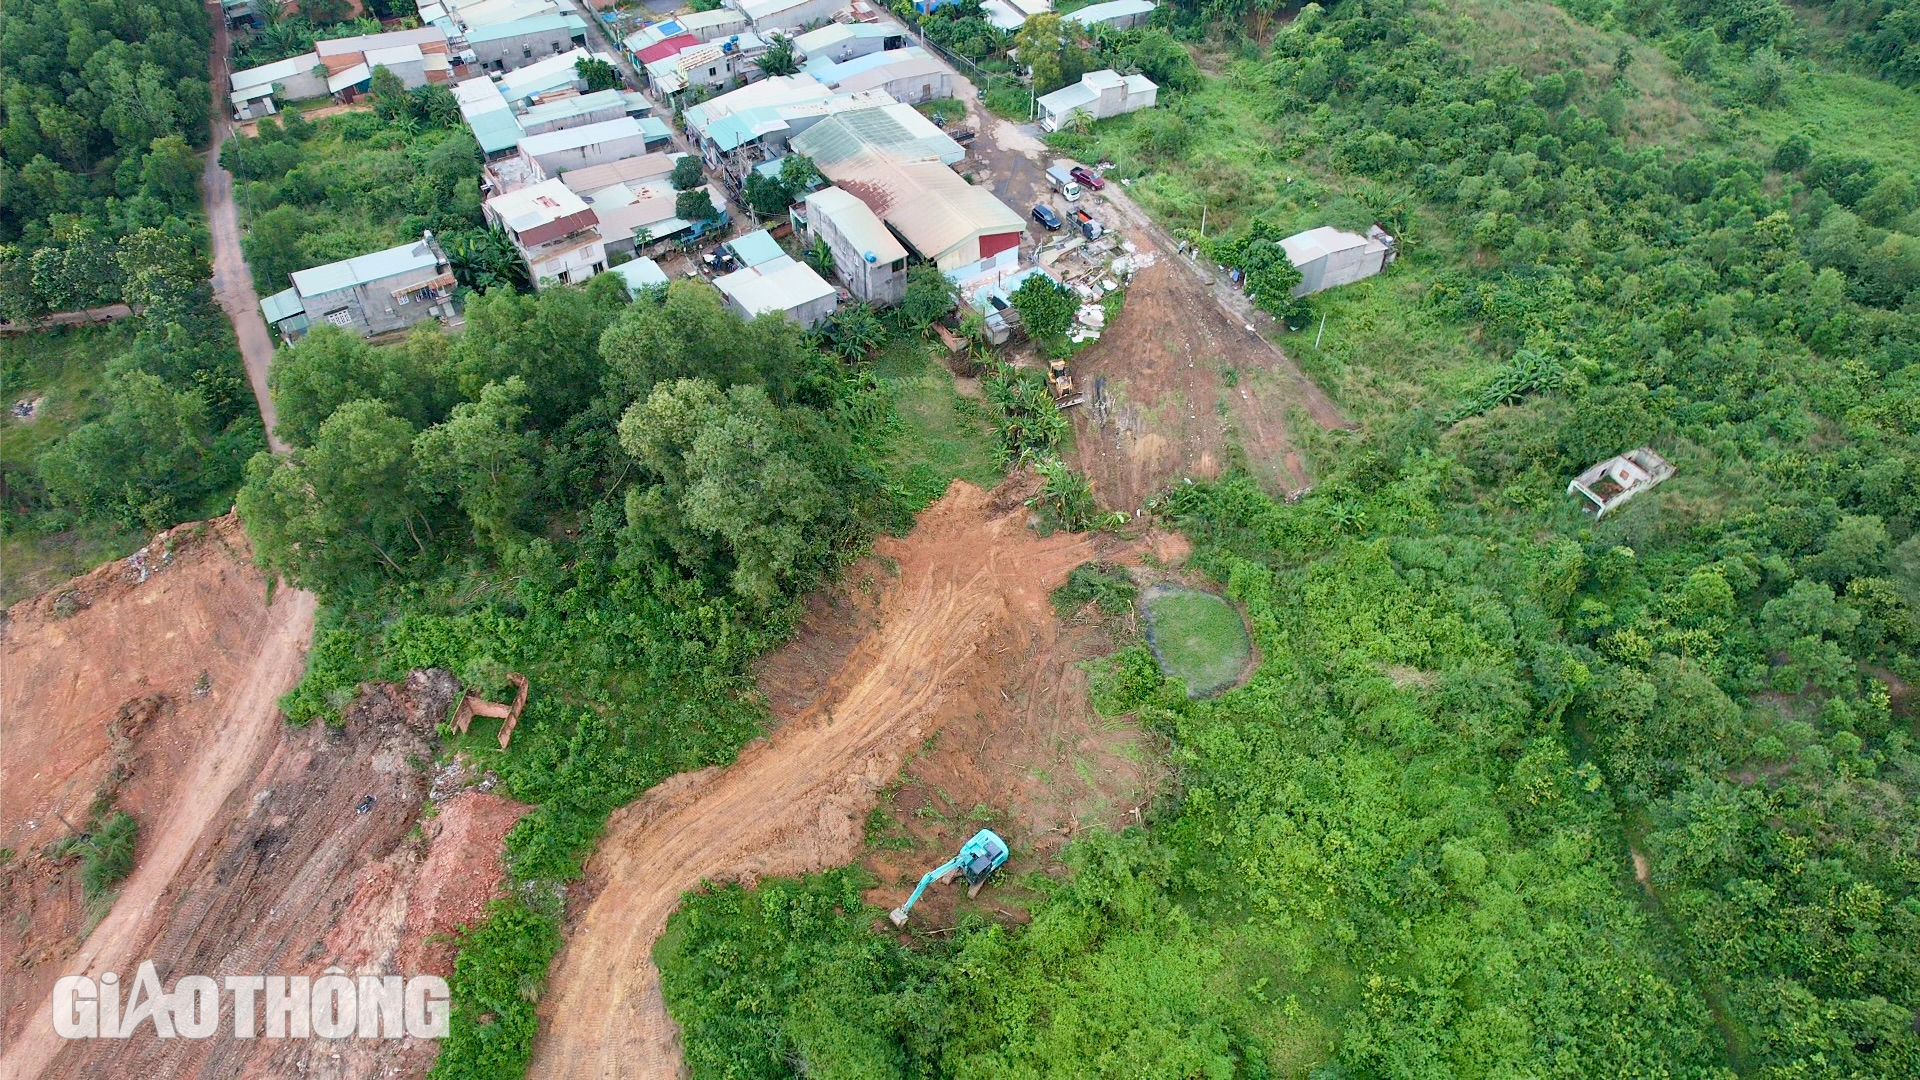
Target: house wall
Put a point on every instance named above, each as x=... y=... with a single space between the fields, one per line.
x=508 y=53
x=600 y=153
x=813 y=314
x=304 y=86
x=1339 y=268
x=573 y=265
x=881 y=284
x=918 y=89
x=805 y=14
x=597 y=116
x=372 y=308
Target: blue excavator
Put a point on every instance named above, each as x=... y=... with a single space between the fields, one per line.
x=978 y=859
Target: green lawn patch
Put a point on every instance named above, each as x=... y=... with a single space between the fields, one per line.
x=940 y=436
x=1198 y=638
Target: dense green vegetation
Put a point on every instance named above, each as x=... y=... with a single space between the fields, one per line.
x=103 y=104
x=1512 y=791
x=147 y=424
x=317 y=192
x=622 y=500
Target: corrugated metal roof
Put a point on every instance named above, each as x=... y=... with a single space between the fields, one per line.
x=549 y=142
x=856 y=222
x=421 y=38
x=776 y=90
x=654 y=130
x=832 y=73
x=281 y=306
x=351 y=77
x=538 y=24
x=781 y=285
x=640 y=274
x=876 y=78
x=666 y=47
x=896 y=129
x=1113 y=9
x=268 y=74
x=536 y=205
x=1068 y=98
x=581 y=105
x=489 y=12
x=926 y=202
x=1303 y=248
x=542 y=75
x=833 y=34
x=626 y=170
x=755 y=248
x=399 y=54
x=362 y=269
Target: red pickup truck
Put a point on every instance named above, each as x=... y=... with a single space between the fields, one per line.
x=1087 y=177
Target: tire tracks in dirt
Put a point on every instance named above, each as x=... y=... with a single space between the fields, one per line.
x=973 y=584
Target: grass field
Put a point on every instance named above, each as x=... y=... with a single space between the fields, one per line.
x=66 y=370
x=941 y=436
x=1198 y=638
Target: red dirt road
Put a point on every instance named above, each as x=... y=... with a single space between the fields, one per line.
x=972 y=588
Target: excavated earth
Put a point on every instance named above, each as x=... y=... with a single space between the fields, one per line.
x=263 y=848
x=947 y=629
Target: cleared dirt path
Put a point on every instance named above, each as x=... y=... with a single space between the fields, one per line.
x=232 y=280
x=248 y=725
x=973 y=584
x=84 y=317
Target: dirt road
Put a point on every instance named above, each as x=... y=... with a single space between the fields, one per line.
x=66 y=677
x=973 y=586
x=86 y=317
x=1187 y=382
x=232 y=280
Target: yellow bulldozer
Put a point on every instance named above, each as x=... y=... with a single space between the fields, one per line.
x=1060 y=385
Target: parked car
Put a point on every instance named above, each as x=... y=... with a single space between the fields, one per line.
x=963 y=136
x=1087 y=177
x=1061 y=181
x=1044 y=215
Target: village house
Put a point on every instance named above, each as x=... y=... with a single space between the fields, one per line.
x=1327 y=257
x=1118 y=14
x=870 y=260
x=912 y=76
x=504 y=46
x=368 y=294
x=783 y=286
x=556 y=233
x=1098 y=94
x=839 y=42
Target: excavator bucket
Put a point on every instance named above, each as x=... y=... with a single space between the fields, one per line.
x=898 y=916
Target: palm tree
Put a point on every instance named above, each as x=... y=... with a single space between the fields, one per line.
x=779 y=58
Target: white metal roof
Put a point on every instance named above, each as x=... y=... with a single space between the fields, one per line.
x=781 y=285
x=394 y=57
x=857 y=223
x=640 y=274
x=1304 y=248
x=353 y=76
x=546 y=23
x=1112 y=9
x=268 y=74
x=536 y=205
x=421 y=38
x=550 y=142
x=362 y=269
x=832 y=34
x=542 y=75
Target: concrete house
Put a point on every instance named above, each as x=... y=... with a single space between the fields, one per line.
x=839 y=42
x=1119 y=14
x=1610 y=484
x=524 y=86
x=1098 y=94
x=713 y=64
x=1327 y=257
x=575 y=110
x=554 y=152
x=791 y=15
x=504 y=46
x=297 y=78
x=869 y=259
x=902 y=175
x=368 y=294
x=781 y=286
x=912 y=75
x=556 y=233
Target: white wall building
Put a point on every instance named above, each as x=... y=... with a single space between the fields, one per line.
x=556 y=233
x=1098 y=94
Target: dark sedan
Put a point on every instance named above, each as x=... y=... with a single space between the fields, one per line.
x=1045 y=216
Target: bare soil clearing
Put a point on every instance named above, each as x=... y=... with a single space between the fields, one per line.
x=254 y=855
x=963 y=636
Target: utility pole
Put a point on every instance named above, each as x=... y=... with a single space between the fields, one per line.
x=1203 y=221
x=1323 y=330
